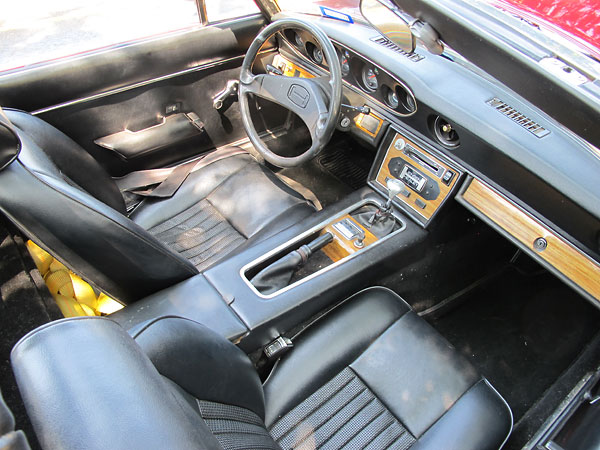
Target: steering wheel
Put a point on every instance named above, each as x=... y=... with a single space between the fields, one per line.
x=315 y=100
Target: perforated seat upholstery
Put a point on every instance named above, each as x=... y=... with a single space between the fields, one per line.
x=369 y=375
x=63 y=200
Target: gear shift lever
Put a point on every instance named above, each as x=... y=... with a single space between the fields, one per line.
x=394 y=187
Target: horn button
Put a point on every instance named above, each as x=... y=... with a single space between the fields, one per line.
x=299 y=95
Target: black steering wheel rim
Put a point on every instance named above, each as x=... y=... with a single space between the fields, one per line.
x=301 y=95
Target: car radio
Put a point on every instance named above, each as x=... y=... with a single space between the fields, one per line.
x=428 y=177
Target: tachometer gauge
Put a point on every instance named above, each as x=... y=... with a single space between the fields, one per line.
x=345 y=63
x=317 y=55
x=298 y=40
x=369 y=78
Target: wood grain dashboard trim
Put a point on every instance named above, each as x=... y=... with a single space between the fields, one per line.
x=431 y=205
x=560 y=254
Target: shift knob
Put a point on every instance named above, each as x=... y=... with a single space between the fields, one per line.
x=394 y=187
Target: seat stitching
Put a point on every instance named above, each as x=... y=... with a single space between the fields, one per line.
x=382 y=431
x=205 y=239
x=350 y=418
x=321 y=403
x=328 y=420
x=211 y=245
x=377 y=416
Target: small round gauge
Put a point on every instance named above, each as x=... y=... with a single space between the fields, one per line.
x=369 y=78
x=392 y=99
x=317 y=55
x=345 y=63
x=298 y=40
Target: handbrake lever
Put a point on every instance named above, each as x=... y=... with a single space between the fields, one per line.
x=278 y=274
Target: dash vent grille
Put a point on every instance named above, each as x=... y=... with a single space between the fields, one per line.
x=517 y=117
x=389 y=44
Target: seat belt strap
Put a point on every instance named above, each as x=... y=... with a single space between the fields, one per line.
x=170 y=184
x=169 y=180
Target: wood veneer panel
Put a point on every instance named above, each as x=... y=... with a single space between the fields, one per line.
x=432 y=205
x=559 y=253
x=341 y=247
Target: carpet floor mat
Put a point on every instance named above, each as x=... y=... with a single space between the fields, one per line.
x=341 y=168
x=25 y=304
x=522 y=332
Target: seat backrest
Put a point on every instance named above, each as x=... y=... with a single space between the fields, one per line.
x=166 y=389
x=62 y=199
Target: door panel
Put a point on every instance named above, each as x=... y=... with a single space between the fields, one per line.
x=130 y=88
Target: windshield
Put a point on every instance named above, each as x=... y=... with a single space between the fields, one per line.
x=350 y=7
x=580 y=19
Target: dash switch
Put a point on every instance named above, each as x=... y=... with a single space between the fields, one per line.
x=448 y=177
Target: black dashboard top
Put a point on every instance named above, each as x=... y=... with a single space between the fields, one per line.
x=504 y=140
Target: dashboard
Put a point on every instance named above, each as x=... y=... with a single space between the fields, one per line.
x=449 y=131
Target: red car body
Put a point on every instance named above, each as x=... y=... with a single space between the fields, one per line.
x=581 y=18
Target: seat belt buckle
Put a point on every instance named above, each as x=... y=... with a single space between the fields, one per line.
x=278 y=347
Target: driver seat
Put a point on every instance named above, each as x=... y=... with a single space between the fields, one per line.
x=62 y=199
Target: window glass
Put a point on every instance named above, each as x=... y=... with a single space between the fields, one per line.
x=218 y=10
x=36 y=31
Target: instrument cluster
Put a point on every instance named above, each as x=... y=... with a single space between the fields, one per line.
x=358 y=72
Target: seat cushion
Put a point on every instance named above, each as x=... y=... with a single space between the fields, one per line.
x=230 y=203
x=372 y=371
x=371 y=374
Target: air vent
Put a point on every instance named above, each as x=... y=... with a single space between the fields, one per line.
x=415 y=57
x=445 y=133
x=519 y=118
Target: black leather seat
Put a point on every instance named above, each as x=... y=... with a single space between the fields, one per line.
x=64 y=200
x=371 y=374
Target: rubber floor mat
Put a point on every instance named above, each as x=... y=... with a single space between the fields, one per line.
x=345 y=166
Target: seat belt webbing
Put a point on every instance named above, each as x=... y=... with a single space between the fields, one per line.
x=168 y=180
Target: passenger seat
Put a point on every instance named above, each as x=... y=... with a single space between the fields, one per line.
x=370 y=374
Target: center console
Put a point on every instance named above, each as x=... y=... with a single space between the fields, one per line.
x=349 y=233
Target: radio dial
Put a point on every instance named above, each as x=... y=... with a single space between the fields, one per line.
x=400 y=144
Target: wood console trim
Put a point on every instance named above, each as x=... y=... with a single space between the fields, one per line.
x=559 y=253
x=431 y=205
x=342 y=247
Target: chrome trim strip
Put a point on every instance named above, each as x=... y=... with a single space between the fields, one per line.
x=312 y=230
x=512 y=418
x=198 y=68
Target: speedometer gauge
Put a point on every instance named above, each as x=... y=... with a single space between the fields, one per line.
x=369 y=78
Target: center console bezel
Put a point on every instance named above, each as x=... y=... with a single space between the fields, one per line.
x=432 y=153
x=292 y=244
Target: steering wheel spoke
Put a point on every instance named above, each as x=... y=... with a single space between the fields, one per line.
x=300 y=95
x=315 y=100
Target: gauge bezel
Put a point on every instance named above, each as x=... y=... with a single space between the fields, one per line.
x=366 y=79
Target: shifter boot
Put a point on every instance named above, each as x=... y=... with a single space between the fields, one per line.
x=381 y=227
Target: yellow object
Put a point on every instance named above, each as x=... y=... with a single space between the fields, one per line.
x=73 y=295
